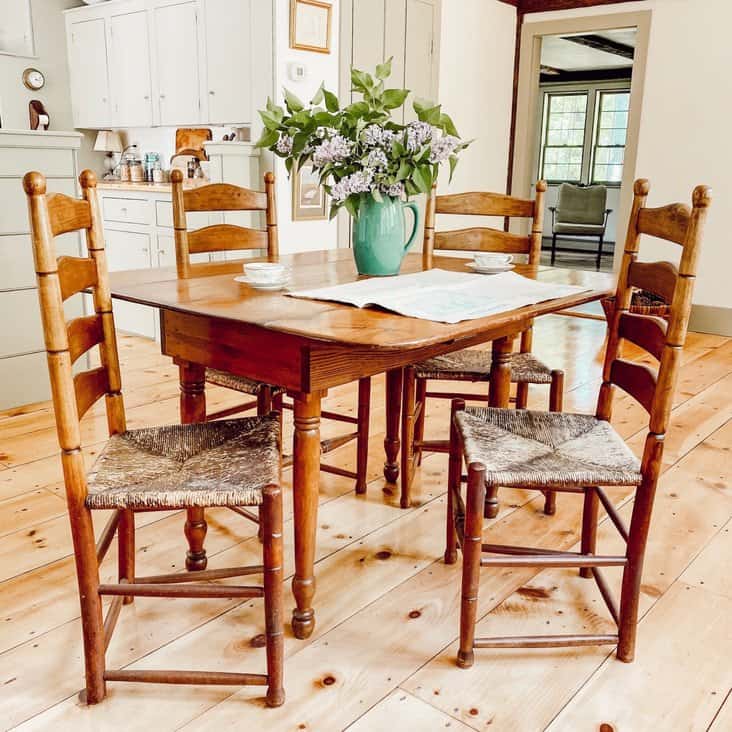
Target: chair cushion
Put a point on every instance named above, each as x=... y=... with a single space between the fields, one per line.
x=529 y=449
x=221 y=463
x=238 y=383
x=579 y=229
x=581 y=204
x=470 y=365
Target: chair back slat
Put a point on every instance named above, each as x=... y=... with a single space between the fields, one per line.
x=225 y=237
x=678 y=224
x=58 y=279
x=667 y=222
x=657 y=277
x=635 y=379
x=76 y=274
x=224 y=197
x=645 y=331
x=221 y=237
x=484 y=204
x=89 y=386
x=67 y=214
x=83 y=334
x=481 y=240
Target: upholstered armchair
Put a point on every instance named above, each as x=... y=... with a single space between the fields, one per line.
x=580 y=212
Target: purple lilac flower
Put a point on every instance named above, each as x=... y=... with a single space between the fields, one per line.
x=284 y=145
x=358 y=182
x=418 y=133
x=373 y=135
x=377 y=159
x=326 y=132
x=395 y=190
x=332 y=150
x=442 y=148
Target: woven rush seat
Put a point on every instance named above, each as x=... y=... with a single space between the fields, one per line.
x=239 y=383
x=529 y=449
x=222 y=463
x=471 y=365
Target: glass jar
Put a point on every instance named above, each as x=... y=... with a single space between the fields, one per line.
x=157 y=173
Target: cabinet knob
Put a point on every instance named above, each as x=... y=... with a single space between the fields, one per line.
x=212 y=93
x=146 y=97
x=104 y=99
x=162 y=96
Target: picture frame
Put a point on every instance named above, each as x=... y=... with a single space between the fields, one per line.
x=309 y=199
x=310 y=25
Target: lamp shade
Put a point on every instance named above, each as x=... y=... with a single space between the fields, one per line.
x=108 y=141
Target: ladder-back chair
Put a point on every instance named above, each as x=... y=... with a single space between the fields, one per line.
x=469 y=364
x=230 y=463
x=579 y=453
x=229 y=237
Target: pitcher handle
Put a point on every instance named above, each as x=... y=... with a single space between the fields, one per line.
x=415 y=212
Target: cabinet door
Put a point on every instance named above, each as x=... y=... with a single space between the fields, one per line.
x=228 y=61
x=177 y=64
x=130 y=250
x=420 y=71
x=88 y=66
x=130 y=70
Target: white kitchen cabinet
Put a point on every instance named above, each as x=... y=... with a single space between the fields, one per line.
x=420 y=68
x=130 y=74
x=228 y=61
x=177 y=63
x=89 y=70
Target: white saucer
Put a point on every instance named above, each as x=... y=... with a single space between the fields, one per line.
x=271 y=286
x=490 y=270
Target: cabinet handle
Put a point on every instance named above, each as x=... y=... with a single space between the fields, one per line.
x=162 y=96
x=212 y=93
x=145 y=249
x=146 y=97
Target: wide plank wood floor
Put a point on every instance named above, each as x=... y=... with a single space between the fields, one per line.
x=382 y=655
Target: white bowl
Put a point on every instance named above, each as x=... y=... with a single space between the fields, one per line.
x=492 y=259
x=266 y=273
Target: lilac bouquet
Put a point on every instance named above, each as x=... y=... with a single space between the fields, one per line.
x=359 y=150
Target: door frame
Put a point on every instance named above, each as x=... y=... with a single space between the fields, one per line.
x=529 y=99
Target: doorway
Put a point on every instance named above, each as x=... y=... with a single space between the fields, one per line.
x=580 y=90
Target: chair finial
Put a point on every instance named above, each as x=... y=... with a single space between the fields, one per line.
x=641 y=187
x=34 y=183
x=88 y=179
x=176 y=176
x=702 y=196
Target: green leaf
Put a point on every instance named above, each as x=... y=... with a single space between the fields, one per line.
x=292 y=103
x=318 y=98
x=427 y=111
x=288 y=165
x=453 y=160
x=333 y=211
x=376 y=195
x=447 y=125
x=331 y=101
x=410 y=188
x=351 y=204
x=361 y=81
x=271 y=119
x=357 y=109
x=383 y=71
x=422 y=179
x=393 y=98
x=405 y=170
x=268 y=138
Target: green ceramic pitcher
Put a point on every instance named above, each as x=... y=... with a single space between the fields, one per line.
x=378 y=235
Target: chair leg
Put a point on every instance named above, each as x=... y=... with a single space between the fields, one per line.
x=453 y=483
x=471 y=562
x=92 y=624
x=554 y=248
x=419 y=424
x=599 y=253
x=408 y=409
x=556 y=404
x=264 y=401
x=273 y=604
x=362 y=441
x=126 y=550
x=589 y=527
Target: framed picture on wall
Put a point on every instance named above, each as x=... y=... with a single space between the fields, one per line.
x=309 y=200
x=310 y=25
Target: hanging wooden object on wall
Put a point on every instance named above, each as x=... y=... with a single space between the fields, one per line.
x=39 y=119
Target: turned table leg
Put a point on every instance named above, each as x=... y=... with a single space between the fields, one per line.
x=499 y=392
x=393 y=415
x=305 y=483
x=193 y=409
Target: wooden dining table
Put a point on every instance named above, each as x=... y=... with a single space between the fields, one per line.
x=310 y=346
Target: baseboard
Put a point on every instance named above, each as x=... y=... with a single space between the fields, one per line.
x=711 y=319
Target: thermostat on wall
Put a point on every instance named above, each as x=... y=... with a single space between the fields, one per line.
x=297 y=71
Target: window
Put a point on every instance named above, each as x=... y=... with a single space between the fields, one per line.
x=611 y=129
x=564 y=136
x=583 y=133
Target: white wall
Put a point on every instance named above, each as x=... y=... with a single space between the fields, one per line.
x=50 y=47
x=684 y=134
x=321 y=67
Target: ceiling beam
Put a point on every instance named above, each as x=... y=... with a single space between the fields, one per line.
x=538 y=6
x=606 y=45
x=564 y=77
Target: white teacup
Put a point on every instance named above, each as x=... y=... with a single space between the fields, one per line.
x=492 y=259
x=266 y=273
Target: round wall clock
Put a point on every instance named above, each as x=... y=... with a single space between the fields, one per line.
x=33 y=79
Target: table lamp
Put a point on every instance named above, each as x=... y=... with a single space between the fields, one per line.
x=109 y=142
